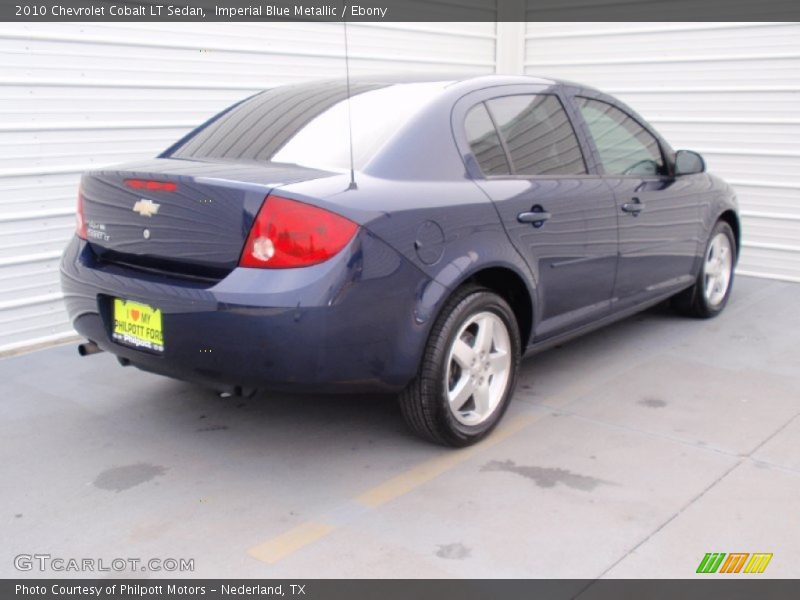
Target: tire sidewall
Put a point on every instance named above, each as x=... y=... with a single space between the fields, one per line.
x=480 y=301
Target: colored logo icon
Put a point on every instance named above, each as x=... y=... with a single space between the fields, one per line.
x=735 y=562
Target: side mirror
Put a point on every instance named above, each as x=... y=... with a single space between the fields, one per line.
x=688 y=163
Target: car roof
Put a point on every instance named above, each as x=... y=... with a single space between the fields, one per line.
x=466 y=82
x=448 y=78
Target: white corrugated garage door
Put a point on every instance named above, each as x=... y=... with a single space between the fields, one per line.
x=730 y=91
x=78 y=96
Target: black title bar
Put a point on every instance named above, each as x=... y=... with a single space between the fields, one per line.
x=399 y=10
x=710 y=588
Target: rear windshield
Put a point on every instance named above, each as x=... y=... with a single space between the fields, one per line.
x=307 y=124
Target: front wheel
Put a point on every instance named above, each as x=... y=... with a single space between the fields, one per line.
x=468 y=370
x=709 y=295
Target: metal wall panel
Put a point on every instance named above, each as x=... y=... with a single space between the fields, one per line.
x=77 y=96
x=82 y=95
x=728 y=90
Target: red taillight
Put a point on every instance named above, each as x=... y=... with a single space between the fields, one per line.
x=80 y=217
x=148 y=184
x=288 y=234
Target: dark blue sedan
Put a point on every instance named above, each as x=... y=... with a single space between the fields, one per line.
x=419 y=238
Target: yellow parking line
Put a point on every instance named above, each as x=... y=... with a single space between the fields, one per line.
x=309 y=532
x=430 y=469
x=287 y=543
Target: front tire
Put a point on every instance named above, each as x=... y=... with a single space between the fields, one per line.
x=468 y=371
x=710 y=292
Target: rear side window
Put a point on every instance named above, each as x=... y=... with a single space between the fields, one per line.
x=538 y=134
x=625 y=147
x=308 y=124
x=484 y=142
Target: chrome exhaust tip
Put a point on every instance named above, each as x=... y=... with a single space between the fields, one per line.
x=236 y=391
x=87 y=348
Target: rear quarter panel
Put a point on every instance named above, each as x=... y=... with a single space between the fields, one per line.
x=447 y=230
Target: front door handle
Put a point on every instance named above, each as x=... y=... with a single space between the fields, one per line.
x=634 y=207
x=535 y=217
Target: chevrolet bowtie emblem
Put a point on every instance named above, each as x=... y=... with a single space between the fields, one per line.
x=146 y=208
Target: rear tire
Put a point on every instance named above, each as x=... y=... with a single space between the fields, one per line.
x=468 y=371
x=709 y=295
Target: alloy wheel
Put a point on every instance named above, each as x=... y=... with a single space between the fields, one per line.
x=478 y=368
x=717 y=269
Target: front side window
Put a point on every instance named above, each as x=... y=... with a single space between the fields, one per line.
x=538 y=135
x=625 y=147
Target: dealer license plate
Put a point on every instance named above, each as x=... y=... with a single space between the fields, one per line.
x=137 y=325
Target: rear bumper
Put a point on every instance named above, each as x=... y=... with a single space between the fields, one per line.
x=345 y=325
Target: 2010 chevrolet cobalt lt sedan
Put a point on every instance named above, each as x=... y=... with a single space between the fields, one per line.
x=418 y=238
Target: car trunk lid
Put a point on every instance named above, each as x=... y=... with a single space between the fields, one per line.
x=179 y=216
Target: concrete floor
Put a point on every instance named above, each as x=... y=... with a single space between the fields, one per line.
x=628 y=453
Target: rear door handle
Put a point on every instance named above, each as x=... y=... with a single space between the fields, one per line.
x=633 y=208
x=535 y=217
